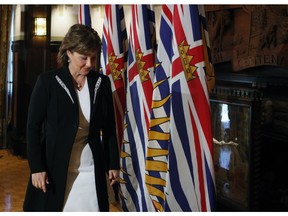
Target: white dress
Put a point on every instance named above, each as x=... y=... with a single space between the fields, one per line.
x=80 y=194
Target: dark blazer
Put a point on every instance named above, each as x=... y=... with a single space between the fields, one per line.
x=53 y=119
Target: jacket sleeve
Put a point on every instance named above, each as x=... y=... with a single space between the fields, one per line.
x=109 y=129
x=36 y=116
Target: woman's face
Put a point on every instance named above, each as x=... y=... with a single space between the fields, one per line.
x=81 y=64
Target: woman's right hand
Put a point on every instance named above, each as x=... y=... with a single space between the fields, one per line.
x=39 y=180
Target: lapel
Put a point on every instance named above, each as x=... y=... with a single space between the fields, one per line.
x=64 y=79
x=94 y=82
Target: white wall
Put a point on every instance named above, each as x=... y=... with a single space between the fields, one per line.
x=63 y=16
x=97 y=18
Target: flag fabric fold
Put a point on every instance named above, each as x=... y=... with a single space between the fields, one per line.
x=114 y=60
x=191 y=149
x=84 y=16
x=134 y=194
x=159 y=133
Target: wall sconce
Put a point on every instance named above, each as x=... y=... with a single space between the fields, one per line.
x=40 y=26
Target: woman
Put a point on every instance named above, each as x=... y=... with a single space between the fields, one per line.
x=69 y=108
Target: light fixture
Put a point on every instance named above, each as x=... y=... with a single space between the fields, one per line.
x=40 y=26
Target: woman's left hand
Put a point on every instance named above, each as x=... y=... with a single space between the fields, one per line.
x=113 y=176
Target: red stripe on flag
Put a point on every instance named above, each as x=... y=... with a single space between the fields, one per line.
x=80 y=14
x=199 y=159
x=202 y=108
x=134 y=31
x=167 y=12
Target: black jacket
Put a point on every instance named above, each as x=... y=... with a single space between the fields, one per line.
x=52 y=124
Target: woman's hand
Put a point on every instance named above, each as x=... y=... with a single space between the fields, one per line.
x=39 y=180
x=113 y=176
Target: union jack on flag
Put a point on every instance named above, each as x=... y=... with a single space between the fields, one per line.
x=84 y=16
x=134 y=194
x=114 y=60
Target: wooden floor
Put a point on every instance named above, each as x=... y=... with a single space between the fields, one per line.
x=14 y=174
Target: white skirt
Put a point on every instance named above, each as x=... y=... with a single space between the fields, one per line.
x=80 y=189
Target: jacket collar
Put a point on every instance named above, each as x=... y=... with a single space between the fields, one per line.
x=65 y=79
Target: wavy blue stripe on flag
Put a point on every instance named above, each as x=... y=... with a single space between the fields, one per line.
x=134 y=194
x=84 y=16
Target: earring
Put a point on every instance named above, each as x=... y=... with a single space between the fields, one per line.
x=69 y=60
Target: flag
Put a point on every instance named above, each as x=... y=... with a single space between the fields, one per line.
x=159 y=133
x=84 y=16
x=114 y=60
x=190 y=177
x=134 y=194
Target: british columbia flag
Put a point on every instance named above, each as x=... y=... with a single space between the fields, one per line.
x=134 y=193
x=159 y=133
x=191 y=181
x=114 y=60
x=84 y=16
x=167 y=151
x=179 y=158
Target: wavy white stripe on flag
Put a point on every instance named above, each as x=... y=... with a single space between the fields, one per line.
x=84 y=16
x=159 y=133
x=114 y=60
x=191 y=181
x=134 y=194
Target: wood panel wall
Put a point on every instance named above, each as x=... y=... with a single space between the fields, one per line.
x=31 y=57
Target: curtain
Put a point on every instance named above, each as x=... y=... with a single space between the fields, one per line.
x=5 y=23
